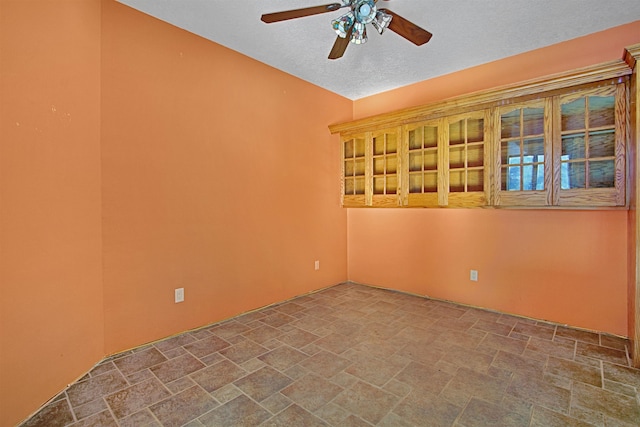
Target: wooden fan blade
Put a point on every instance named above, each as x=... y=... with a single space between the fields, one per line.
x=408 y=30
x=340 y=45
x=299 y=13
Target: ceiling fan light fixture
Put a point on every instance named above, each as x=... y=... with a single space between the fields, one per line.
x=382 y=21
x=364 y=10
x=342 y=24
x=359 y=34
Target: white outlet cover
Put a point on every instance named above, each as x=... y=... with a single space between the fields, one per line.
x=317 y=265
x=179 y=295
x=473 y=276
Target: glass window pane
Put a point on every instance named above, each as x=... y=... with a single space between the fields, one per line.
x=540 y=176
x=456 y=133
x=430 y=182
x=504 y=179
x=602 y=174
x=574 y=177
x=510 y=123
x=456 y=157
x=513 y=178
x=533 y=147
x=602 y=143
x=415 y=183
x=378 y=166
x=378 y=185
x=510 y=152
x=430 y=136
x=359 y=167
x=431 y=160
x=348 y=149
x=392 y=143
x=415 y=161
x=573 y=115
x=415 y=139
x=349 y=186
x=392 y=184
x=378 y=145
x=359 y=186
x=533 y=121
x=392 y=164
x=348 y=168
x=475 y=180
x=573 y=146
x=359 y=147
x=533 y=177
x=601 y=111
x=475 y=130
x=475 y=156
x=456 y=181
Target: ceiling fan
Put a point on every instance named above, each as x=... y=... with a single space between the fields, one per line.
x=352 y=25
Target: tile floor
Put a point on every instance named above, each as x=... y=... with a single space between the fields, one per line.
x=353 y=355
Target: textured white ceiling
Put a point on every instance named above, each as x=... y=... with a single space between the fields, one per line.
x=465 y=33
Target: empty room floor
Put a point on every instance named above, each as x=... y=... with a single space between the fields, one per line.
x=353 y=355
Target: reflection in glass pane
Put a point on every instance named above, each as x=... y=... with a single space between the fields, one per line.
x=378 y=185
x=359 y=147
x=378 y=166
x=475 y=180
x=378 y=145
x=456 y=181
x=510 y=152
x=602 y=174
x=349 y=186
x=602 y=111
x=392 y=164
x=602 y=143
x=348 y=168
x=359 y=167
x=574 y=176
x=504 y=179
x=513 y=178
x=456 y=157
x=430 y=183
x=573 y=115
x=348 y=149
x=392 y=184
x=431 y=160
x=415 y=183
x=510 y=123
x=415 y=161
x=359 y=186
x=533 y=177
x=573 y=146
x=527 y=178
x=533 y=121
x=533 y=147
x=475 y=156
x=456 y=133
x=475 y=130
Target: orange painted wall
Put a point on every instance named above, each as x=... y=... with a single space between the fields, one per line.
x=564 y=266
x=51 y=317
x=219 y=176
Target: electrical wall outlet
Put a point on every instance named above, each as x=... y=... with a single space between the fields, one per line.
x=179 y=295
x=473 y=276
x=317 y=265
